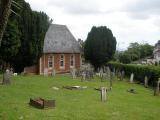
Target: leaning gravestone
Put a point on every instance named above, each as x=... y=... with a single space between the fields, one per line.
x=156 y=91
x=6 y=77
x=131 y=78
x=103 y=94
x=146 y=81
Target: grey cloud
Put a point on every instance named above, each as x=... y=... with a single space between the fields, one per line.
x=143 y=9
x=78 y=6
x=157 y=23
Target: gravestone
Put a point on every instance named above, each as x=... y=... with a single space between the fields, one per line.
x=11 y=71
x=73 y=73
x=53 y=72
x=103 y=94
x=6 y=77
x=45 y=72
x=122 y=75
x=101 y=73
x=113 y=73
x=146 y=81
x=132 y=78
x=108 y=73
x=110 y=84
x=83 y=76
x=156 y=91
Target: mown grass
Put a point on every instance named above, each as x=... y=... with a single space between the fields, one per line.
x=76 y=104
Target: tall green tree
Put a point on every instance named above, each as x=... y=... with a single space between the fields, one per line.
x=135 y=52
x=100 y=46
x=30 y=28
x=5 y=11
x=124 y=58
x=11 y=43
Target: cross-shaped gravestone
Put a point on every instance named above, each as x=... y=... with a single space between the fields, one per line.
x=146 y=81
x=103 y=94
x=131 y=78
x=6 y=77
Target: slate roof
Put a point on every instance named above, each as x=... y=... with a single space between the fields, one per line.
x=59 y=39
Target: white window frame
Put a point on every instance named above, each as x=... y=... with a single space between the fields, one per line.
x=72 y=58
x=50 y=60
x=62 y=67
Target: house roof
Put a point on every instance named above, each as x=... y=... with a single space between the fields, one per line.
x=59 y=39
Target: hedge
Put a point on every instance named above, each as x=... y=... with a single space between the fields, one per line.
x=140 y=71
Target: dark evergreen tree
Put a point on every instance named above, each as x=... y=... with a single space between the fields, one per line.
x=32 y=27
x=100 y=46
x=11 y=43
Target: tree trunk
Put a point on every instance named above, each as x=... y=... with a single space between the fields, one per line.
x=5 y=6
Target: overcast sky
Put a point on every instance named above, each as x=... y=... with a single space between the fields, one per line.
x=129 y=20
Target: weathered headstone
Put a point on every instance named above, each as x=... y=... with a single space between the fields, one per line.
x=73 y=73
x=101 y=73
x=53 y=72
x=6 y=77
x=45 y=72
x=103 y=94
x=83 y=76
x=157 y=91
x=11 y=71
x=122 y=75
x=146 y=81
x=108 y=73
x=113 y=74
x=131 y=78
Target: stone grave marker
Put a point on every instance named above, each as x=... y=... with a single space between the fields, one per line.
x=45 y=72
x=103 y=94
x=53 y=72
x=108 y=73
x=156 y=91
x=146 y=81
x=122 y=75
x=6 y=77
x=83 y=76
x=131 y=78
x=73 y=73
x=101 y=73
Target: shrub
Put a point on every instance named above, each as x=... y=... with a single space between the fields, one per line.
x=140 y=71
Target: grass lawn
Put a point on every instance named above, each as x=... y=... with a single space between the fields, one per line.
x=76 y=104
